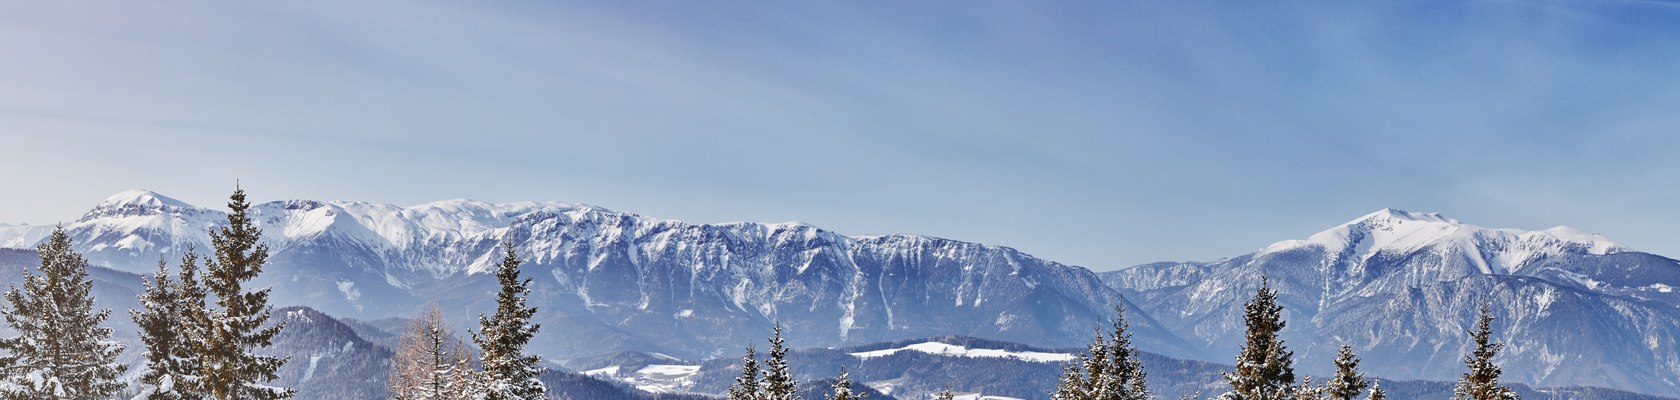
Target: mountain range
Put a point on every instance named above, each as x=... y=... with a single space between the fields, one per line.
x=1400 y=287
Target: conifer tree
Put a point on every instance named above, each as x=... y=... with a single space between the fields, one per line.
x=1481 y=382
x=426 y=362
x=747 y=386
x=236 y=325
x=1348 y=381
x=843 y=388
x=778 y=380
x=60 y=351
x=1109 y=370
x=1308 y=391
x=1377 y=392
x=1263 y=367
x=168 y=327
x=509 y=373
x=945 y=394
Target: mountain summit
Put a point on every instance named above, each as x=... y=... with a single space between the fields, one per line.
x=1403 y=287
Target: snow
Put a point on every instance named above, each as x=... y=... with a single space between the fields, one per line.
x=144 y=198
x=599 y=372
x=664 y=378
x=1392 y=231
x=951 y=350
x=351 y=294
x=23 y=236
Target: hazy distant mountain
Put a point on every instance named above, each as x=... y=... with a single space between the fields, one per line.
x=1402 y=288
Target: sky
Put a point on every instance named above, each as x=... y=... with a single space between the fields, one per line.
x=1102 y=134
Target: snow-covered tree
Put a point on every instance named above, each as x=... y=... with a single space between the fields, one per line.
x=428 y=361
x=1348 y=381
x=236 y=324
x=509 y=372
x=1308 y=391
x=1377 y=392
x=945 y=395
x=168 y=324
x=748 y=385
x=843 y=388
x=1109 y=370
x=778 y=379
x=1481 y=382
x=60 y=351
x=1264 y=369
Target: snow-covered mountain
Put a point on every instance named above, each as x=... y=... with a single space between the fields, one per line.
x=609 y=281
x=1403 y=289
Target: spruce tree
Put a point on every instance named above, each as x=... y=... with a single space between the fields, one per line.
x=509 y=373
x=747 y=386
x=61 y=351
x=1263 y=367
x=1481 y=382
x=778 y=380
x=236 y=325
x=426 y=361
x=1348 y=381
x=1377 y=392
x=167 y=328
x=1109 y=370
x=1126 y=376
x=843 y=388
x=1308 y=391
x=945 y=394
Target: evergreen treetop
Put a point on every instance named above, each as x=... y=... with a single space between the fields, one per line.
x=1481 y=381
x=779 y=383
x=1348 y=382
x=237 y=324
x=509 y=372
x=1264 y=369
x=60 y=351
x=167 y=325
x=748 y=385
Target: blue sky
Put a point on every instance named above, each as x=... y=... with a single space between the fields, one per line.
x=1101 y=134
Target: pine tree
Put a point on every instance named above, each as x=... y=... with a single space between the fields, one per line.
x=167 y=328
x=425 y=366
x=778 y=380
x=1377 y=392
x=509 y=373
x=945 y=394
x=1263 y=368
x=1481 y=382
x=234 y=327
x=748 y=385
x=843 y=388
x=61 y=351
x=1126 y=376
x=1308 y=391
x=1109 y=370
x=1348 y=381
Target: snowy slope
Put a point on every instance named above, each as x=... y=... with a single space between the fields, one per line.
x=1402 y=288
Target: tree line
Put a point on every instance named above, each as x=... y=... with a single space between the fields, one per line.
x=1110 y=367
x=1264 y=369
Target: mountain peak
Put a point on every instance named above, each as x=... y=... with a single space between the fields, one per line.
x=142 y=198
x=1396 y=215
x=1395 y=230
